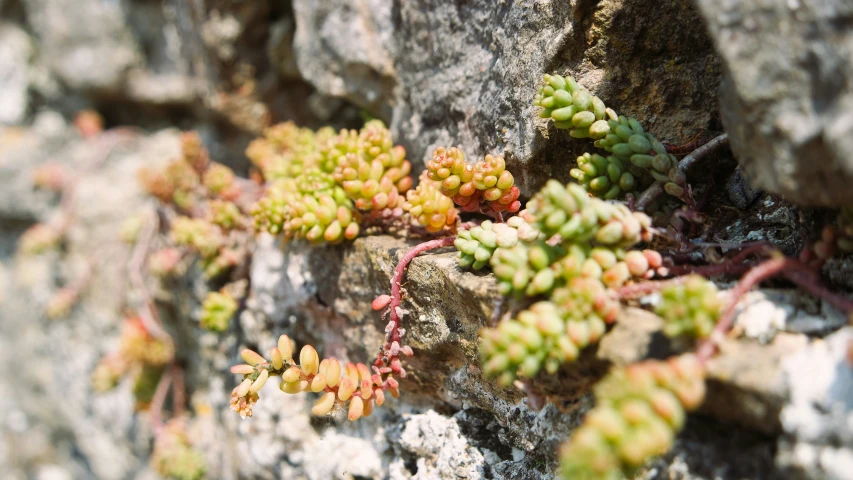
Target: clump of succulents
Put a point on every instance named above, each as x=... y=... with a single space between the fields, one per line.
x=477 y=244
x=636 y=158
x=572 y=107
x=690 y=308
x=328 y=181
x=353 y=387
x=549 y=333
x=639 y=410
x=217 y=310
x=487 y=186
x=428 y=207
x=174 y=456
x=140 y=355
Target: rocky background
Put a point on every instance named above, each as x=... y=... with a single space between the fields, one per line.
x=439 y=73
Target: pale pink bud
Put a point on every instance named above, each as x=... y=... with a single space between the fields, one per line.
x=252 y=357
x=242 y=369
x=324 y=404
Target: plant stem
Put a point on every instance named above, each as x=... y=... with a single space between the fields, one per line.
x=753 y=277
x=687 y=162
x=400 y=270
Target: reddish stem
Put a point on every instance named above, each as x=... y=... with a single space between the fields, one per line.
x=753 y=277
x=809 y=282
x=390 y=353
x=400 y=270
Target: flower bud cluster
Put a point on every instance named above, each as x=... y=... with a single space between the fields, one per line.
x=428 y=207
x=353 y=387
x=217 y=310
x=640 y=408
x=569 y=212
x=376 y=175
x=477 y=245
x=549 y=333
x=174 y=457
x=322 y=215
x=486 y=186
x=690 y=308
x=572 y=107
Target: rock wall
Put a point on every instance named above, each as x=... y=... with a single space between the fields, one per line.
x=458 y=73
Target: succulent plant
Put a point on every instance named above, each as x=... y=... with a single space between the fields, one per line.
x=428 y=207
x=376 y=175
x=690 y=308
x=486 y=186
x=217 y=310
x=549 y=333
x=526 y=268
x=477 y=244
x=353 y=387
x=569 y=212
x=572 y=107
x=640 y=408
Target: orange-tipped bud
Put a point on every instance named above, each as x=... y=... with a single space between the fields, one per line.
x=276 y=358
x=285 y=346
x=380 y=397
x=309 y=360
x=324 y=404
x=260 y=381
x=346 y=389
x=252 y=357
x=242 y=369
x=352 y=373
x=318 y=383
x=333 y=372
x=356 y=408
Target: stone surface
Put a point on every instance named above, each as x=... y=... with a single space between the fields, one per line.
x=465 y=74
x=787 y=95
x=15 y=51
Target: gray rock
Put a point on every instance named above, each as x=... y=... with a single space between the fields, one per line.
x=441 y=450
x=346 y=50
x=15 y=51
x=787 y=97
x=96 y=57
